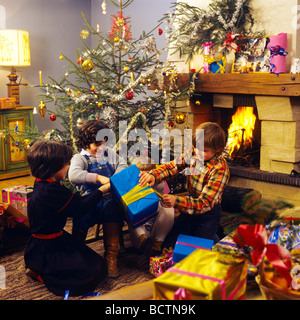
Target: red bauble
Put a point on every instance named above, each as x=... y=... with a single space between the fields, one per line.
x=171 y=124
x=129 y=95
x=80 y=60
x=160 y=31
x=53 y=117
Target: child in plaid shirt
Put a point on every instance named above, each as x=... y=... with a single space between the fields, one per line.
x=200 y=210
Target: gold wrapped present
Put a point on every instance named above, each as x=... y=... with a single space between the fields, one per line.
x=7 y=103
x=203 y=275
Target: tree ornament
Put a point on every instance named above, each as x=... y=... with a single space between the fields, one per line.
x=53 y=117
x=99 y=104
x=104 y=7
x=42 y=109
x=80 y=60
x=180 y=118
x=84 y=33
x=92 y=117
x=88 y=65
x=126 y=68
x=171 y=124
x=116 y=39
x=119 y=86
x=129 y=95
x=160 y=31
x=198 y=103
x=79 y=123
x=61 y=57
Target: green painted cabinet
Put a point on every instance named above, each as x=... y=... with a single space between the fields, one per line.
x=13 y=159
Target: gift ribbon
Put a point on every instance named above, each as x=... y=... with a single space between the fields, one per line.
x=191 y=245
x=182 y=294
x=135 y=194
x=276 y=50
x=257 y=238
x=11 y=189
x=220 y=281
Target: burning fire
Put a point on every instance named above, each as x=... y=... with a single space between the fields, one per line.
x=240 y=132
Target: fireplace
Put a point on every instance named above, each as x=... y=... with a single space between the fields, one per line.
x=275 y=100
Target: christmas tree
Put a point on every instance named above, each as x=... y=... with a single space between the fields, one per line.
x=109 y=82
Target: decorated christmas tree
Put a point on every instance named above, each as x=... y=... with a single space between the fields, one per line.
x=109 y=82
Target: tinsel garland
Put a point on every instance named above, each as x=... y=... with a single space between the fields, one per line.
x=193 y=26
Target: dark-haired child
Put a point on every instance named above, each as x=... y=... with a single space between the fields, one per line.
x=94 y=163
x=200 y=210
x=53 y=256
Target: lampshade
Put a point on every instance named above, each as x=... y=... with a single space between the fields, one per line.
x=14 y=49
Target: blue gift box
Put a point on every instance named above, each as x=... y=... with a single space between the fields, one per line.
x=139 y=207
x=185 y=245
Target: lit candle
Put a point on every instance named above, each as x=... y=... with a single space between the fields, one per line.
x=40 y=72
x=17 y=125
x=98 y=27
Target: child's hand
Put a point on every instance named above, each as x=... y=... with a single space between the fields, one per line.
x=102 y=179
x=105 y=188
x=168 y=200
x=146 y=178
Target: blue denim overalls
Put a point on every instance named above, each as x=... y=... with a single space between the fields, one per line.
x=107 y=210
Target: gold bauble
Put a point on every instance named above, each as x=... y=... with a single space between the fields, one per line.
x=198 y=103
x=100 y=104
x=88 y=65
x=79 y=123
x=180 y=118
x=119 y=86
x=116 y=39
x=42 y=109
x=126 y=68
x=143 y=80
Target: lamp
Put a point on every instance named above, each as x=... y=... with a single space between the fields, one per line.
x=14 y=52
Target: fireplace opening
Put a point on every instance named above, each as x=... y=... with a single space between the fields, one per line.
x=243 y=137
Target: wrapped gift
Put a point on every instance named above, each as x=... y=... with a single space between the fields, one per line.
x=140 y=203
x=203 y=275
x=185 y=245
x=159 y=264
x=18 y=197
x=228 y=245
x=7 y=103
x=277 y=47
x=286 y=235
x=10 y=216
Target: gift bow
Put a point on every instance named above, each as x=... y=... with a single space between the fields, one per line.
x=182 y=294
x=276 y=50
x=135 y=194
x=257 y=238
x=229 y=41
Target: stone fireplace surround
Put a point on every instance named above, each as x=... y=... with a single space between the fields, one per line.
x=277 y=99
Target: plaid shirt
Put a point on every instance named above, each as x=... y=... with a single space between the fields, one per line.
x=205 y=185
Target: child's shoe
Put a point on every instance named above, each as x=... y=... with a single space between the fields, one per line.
x=146 y=245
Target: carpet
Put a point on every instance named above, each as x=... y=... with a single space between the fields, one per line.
x=132 y=265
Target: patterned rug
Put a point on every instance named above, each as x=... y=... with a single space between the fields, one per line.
x=132 y=265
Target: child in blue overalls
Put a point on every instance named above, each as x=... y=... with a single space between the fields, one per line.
x=96 y=162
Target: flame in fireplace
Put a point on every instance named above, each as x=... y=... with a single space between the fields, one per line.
x=240 y=132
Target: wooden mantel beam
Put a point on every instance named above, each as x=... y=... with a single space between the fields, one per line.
x=246 y=83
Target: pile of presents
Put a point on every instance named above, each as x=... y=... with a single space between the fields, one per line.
x=13 y=213
x=261 y=244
